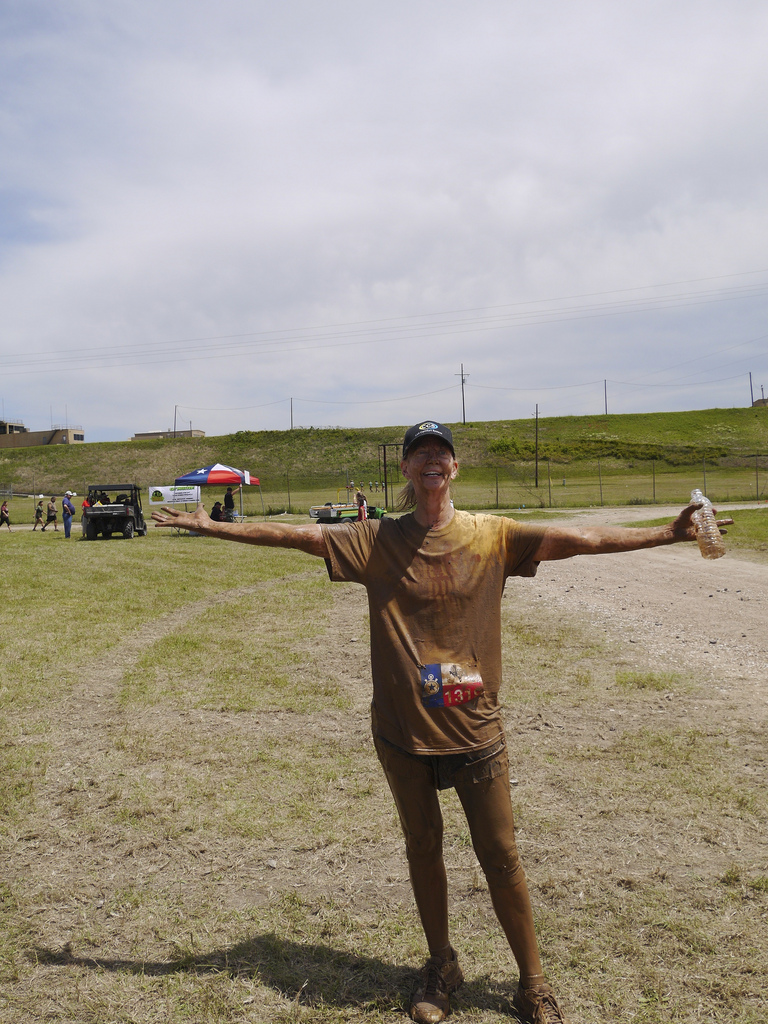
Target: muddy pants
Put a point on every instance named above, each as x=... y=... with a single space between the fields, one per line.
x=481 y=781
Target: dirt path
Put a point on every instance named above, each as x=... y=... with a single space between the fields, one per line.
x=691 y=613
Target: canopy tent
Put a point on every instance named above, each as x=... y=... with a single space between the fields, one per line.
x=220 y=474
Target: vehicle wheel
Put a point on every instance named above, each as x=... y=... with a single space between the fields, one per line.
x=128 y=531
x=90 y=531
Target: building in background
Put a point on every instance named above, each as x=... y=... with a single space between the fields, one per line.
x=16 y=435
x=151 y=435
x=6 y=427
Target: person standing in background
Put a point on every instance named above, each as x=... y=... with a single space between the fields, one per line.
x=67 y=511
x=229 y=506
x=362 y=507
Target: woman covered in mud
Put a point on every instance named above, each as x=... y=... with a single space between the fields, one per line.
x=435 y=578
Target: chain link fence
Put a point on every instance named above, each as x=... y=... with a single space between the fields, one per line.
x=609 y=481
x=516 y=483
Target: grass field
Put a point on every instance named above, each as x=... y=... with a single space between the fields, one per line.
x=579 y=484
x=583 y=460
x=194 y=826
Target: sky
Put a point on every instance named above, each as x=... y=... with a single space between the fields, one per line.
x=248 y=215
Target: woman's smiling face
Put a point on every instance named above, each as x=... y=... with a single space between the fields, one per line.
x=430 y=466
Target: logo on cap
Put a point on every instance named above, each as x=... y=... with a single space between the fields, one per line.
x=420 y=430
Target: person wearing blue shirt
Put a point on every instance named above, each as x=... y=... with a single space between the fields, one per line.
x=67 y=511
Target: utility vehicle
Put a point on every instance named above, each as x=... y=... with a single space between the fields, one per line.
x=113 y=508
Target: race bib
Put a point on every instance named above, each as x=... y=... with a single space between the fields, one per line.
x=448 y=685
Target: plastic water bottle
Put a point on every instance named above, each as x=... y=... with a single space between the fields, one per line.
x=707 y=532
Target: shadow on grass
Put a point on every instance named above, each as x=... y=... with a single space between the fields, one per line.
x=321 y=974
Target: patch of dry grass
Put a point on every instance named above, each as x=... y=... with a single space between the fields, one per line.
x=195 y=827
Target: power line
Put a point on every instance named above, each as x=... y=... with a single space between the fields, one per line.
x=317 y=401
x=453 y=387
x=388 y=330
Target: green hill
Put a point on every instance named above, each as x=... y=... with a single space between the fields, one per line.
x=679 y=438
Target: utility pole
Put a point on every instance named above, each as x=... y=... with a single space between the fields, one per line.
x=751 y=393
x=291 y=414
x=389 y=479
x=605 y=393
x=174 y=419
x=536 y=480
x=463 y=378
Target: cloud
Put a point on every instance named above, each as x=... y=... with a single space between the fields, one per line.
x=226 y=206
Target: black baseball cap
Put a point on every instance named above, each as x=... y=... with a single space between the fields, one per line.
x=427 y=429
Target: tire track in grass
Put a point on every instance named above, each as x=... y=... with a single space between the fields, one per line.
x=87 y=704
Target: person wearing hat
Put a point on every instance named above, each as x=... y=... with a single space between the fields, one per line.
x=435 y=577
x=67 y=511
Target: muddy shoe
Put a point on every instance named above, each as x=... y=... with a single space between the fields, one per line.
x=537 y=1005
x=430 y=1003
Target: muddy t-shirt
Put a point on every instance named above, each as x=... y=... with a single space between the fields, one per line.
x=435 y=611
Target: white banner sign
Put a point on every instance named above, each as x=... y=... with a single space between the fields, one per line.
x=187 y=495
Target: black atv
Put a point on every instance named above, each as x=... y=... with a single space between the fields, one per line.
x=113 y=508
